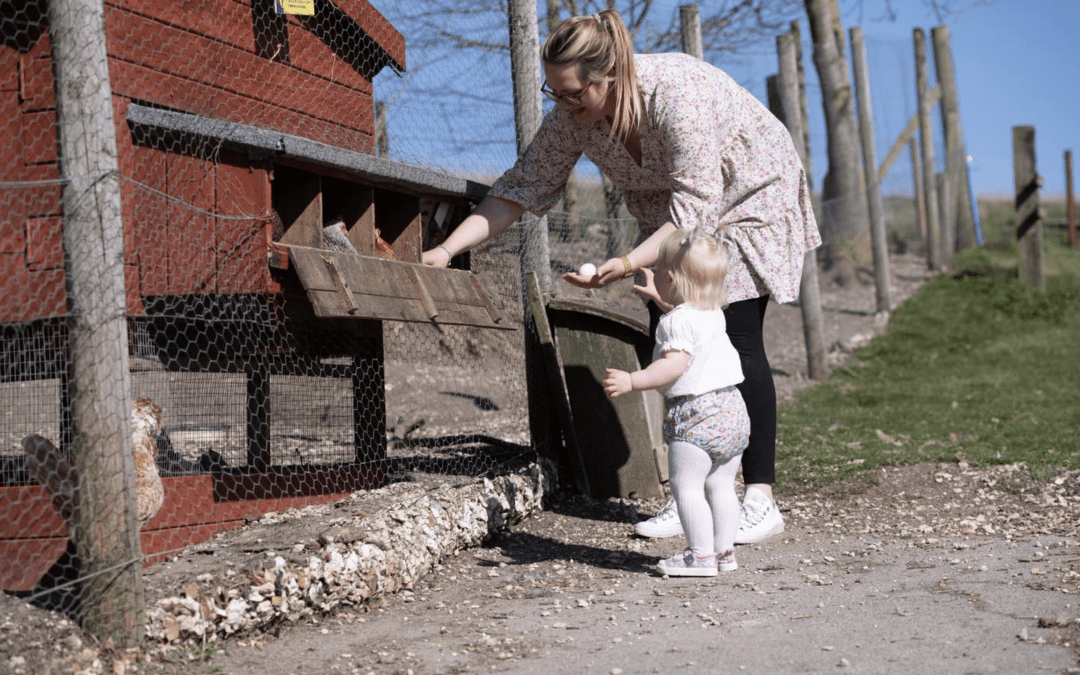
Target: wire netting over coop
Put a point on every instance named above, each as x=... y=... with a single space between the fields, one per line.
x=276 y=314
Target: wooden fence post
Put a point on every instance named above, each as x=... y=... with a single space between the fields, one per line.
x=920 y=196
x=879 y=243
x=1029 y=229
x=933 y=235
x=690 y=30
x=959 y=205
x=107 y=535
x=1070 y=203
x=809 y=290
x=535 y=252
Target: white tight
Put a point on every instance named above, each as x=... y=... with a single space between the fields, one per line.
x=705 y=497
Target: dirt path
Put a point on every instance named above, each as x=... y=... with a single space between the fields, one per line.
x=931 y=571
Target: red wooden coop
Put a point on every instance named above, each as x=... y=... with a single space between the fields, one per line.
x=242 y=135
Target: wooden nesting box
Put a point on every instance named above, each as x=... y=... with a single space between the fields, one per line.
x=240 y=134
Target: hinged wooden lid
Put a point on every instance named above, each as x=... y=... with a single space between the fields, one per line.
x=347 y=285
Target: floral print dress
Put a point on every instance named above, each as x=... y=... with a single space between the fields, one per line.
x=711 y=155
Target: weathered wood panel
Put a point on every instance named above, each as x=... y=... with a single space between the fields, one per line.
x=346 y=285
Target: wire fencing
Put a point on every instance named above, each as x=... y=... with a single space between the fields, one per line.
x=239 y=372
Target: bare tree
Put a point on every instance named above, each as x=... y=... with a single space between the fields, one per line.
x=845 y=226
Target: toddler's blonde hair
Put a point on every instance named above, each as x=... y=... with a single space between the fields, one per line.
x=699 y=266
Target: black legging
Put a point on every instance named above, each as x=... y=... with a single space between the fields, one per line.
x=745 y=326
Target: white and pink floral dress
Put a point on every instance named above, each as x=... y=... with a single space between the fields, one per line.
x=707 y=144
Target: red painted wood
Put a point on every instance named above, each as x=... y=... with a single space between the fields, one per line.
x=175 y=92
x=242 y=244
x=24 y=561
x=36 y=83
x=39 y=137
x=45 y=243
x=9 y=69
x=189 y=235
x=32 y=535
x=376 y=26
x=230 y=71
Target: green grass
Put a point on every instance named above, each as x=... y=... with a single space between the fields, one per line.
x=974 y=364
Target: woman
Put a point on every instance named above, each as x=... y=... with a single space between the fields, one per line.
x=691 y=149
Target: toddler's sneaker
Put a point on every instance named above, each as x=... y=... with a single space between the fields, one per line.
x=726 y=561
x=686 y=564
x=759 y=518
x=665 y=523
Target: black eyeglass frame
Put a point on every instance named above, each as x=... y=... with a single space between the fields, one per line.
x=569 y=99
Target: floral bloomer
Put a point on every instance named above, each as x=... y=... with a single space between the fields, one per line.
x=716 y=422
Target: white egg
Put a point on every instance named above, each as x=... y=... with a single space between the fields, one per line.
x=587 y=270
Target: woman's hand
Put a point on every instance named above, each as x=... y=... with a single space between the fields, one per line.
x=435 y=257
x=610 y=271
x=617 y=383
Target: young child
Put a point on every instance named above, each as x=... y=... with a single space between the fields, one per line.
x=706 y=425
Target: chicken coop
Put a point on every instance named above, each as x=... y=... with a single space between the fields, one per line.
x=265 y=242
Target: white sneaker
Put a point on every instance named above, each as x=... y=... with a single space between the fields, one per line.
x=665 y=523
x=759 y=518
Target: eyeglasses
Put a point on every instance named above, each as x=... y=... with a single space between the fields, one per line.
x=569 y=99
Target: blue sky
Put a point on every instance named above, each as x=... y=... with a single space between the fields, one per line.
x=1017 y=62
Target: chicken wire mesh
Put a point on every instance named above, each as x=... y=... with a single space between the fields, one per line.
x=241 y=136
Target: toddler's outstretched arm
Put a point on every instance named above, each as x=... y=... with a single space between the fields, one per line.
x=659 y=373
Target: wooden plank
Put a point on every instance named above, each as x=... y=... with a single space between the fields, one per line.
x=623 y=433
x=389 y=290
x=230 y=22
x=45 y=243
x=146 y=84
x=242 y=189
x=190 y=236
x=298 y=200
x=39 y=137
x=556 y=382
x=36 y=83
x=173 y=51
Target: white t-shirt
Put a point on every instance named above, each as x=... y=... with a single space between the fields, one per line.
x=701 y=333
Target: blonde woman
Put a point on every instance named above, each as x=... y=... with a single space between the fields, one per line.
x=690 y=149
x=706 y=425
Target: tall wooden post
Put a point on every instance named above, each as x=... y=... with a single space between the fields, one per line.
x=535 y=256
x=926 y=133
x=955 y=158
x=809 y=291
x=111 y=594
x=528 y=113
x=879 y=243
x=1029 y=229
x=690 y=30
x=920 y=197
x=1070 y=203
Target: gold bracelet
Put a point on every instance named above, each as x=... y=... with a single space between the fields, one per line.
x=449 y=255
x=627 y=266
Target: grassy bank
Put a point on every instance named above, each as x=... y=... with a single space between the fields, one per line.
x=975 y=365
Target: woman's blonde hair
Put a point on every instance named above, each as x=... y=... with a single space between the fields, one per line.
x=699 y=266
x=602 y=48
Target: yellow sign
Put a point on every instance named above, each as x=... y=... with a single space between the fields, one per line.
x=304 y=7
